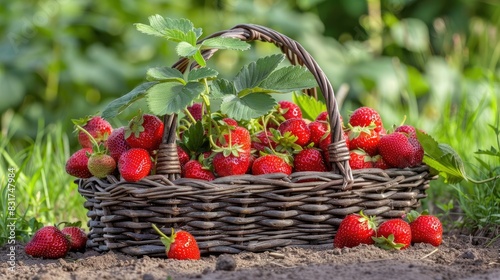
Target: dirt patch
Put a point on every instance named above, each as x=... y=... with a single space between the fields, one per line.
x=457 y=258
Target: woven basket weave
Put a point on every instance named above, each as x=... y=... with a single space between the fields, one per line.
x=246 y=212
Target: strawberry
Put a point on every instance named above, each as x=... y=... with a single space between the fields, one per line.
x=400 y=151
x=425 y=228
x=48 y=242
x=289 y=110
x=309 y=159
x=408 y=129
x=116 y=143
x=134 y=164
x=263 y=139
x=181 y=245
x=295 y=128
x=323 y=116
x=393 y=234
x=366 y=116
x=360 y=159
x=195 y=170
x=270 y=164
x=183 y=156
x=237 y=138
x=196 y=110
x=231 y=164
x=101 y=165
x=76 y=165
x=77 y=238
x=355 y=229
x=230 y=121
x=364 y=138
x=144 y=131
x=97 y=127
x=319 y=130
x=378 y=162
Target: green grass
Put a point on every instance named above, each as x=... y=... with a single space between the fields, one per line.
x=44 y=192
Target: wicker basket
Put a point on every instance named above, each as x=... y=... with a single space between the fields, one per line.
x=246 y=212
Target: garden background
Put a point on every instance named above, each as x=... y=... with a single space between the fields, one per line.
x=434 y=62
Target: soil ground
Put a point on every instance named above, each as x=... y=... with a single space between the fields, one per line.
x=459 y=257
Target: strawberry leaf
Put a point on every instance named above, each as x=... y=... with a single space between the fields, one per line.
x=310 y=106
x=227 y=43
x=198 y=74
x=165 y=74
x=185 y=49
x=443 y=159
x=172 y=98
x=220 y=87
x=116 y=106
x=194 y=139
x=176 y=30
x=254 y=73
x=288 y=79
x=247 y=107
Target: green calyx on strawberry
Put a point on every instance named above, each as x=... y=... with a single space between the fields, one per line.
x=144 y=131
x=99 y=163
x=393 y=234
x=425 y=228
x=355 y=229
x=96 y=127
x=364 y=137
x=179 y=245
x=366 y=116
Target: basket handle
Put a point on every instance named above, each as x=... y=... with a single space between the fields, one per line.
x=297 y=55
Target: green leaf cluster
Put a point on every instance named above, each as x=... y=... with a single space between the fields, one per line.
x=247 y=96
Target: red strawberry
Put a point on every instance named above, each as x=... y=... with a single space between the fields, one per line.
x=144 y=131
x=195 y=170
x=230 y=121
x=116 y=143
x=323 y=116
x=76 y=165
x=364 y=138
x=393 y=234
x=425 y=228
x=48 y=242
x=309 y=160
x=231 y=164
x=355 y=229
x=237 y=138
x=180 y=245
x=408 y=129
x=366 y=116
x=270 y=164
x=400 y=151
x=196 y=110
x=77 y=238
x=295 y=128
x=183 y=156
x=319 y=131
x=263 y=139
x=289 y=110
x=99 y=128
x=134 y=164
x=101 y=165
x=378 y=162
x=360 y=159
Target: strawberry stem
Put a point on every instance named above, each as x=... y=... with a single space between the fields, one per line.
x=166 y=240
x=92 y=139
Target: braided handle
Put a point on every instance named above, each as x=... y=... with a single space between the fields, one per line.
x=168 y=163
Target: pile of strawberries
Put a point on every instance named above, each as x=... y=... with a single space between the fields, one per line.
x=397 y=233
x=129 y=150
x=50 y=242
x=281 y=141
